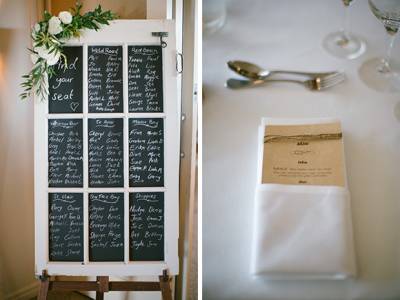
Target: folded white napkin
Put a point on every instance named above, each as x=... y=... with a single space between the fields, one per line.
x=301 y=230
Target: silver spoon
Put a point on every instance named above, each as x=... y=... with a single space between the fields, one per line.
x=255 y=72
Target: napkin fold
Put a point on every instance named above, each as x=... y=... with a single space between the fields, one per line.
x=301 y=230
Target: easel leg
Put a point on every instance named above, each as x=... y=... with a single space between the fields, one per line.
x=44 y=286
x=165 y=286
x=102 y=282
x=99 y=296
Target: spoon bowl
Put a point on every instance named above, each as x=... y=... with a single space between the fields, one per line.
x=248 y=69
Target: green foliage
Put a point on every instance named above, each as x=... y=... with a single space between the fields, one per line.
x=37 y=80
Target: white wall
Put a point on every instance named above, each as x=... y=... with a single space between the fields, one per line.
x=16 y=152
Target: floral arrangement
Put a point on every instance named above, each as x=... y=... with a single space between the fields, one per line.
x=49 y=37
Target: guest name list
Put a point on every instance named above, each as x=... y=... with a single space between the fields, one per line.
x=65 y=153
x=106 y=226
x=146 y=223
x=145 y=89
x=88 y=134
x=66 y=226
x=106 y=162
x=105 y=92
x=146 y=152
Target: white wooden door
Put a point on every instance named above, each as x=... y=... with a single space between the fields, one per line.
x=122 y=33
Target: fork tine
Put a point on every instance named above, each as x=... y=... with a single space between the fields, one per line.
x=338 y=75
x=333 y=77
x=326 y=86
x=323 y=82
x=328 y=82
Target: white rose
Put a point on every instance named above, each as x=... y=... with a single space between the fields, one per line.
x=53 y=58
x=54 y=25
x=42 y=51
x=34 y=58
x=65 y=17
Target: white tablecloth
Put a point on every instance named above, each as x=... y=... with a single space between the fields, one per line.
x=288 y=34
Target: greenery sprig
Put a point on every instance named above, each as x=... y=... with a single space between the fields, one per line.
x=49 y=36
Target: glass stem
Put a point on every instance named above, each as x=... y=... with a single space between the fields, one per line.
x=345 y=27
x=385 y=67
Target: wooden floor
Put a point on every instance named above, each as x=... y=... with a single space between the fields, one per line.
x=65 y=296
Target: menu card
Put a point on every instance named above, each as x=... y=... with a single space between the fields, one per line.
x=303 y=155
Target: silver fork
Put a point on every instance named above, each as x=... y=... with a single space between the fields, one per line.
x=315 y=84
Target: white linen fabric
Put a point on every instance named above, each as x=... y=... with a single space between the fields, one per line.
x=301 y=230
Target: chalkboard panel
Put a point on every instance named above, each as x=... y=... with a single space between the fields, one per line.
x=106 y=227
x=146 y=152
x=146 y=226
x=106 y=162
x=65 y=227
x=65 y=87
x=65 y=153
x=145 y=80
x=105 y=92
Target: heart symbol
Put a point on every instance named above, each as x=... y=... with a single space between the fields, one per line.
x=74 y=105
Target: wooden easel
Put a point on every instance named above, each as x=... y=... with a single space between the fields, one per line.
x=103 y=285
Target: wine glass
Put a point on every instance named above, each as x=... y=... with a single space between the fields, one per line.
x=343 y=43
x=383 y=74
x=214 y=15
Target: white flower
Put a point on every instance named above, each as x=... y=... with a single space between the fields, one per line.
x=65 y=17
x=42 y=51
x=36 y=28
x=53 y=58
x=34 y=58
x=54 y=25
